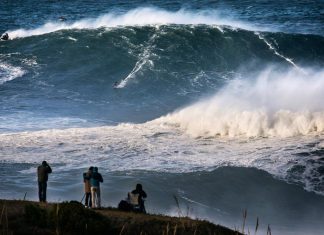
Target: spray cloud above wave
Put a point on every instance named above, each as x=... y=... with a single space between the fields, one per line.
x=136 y=17
x=274 y=104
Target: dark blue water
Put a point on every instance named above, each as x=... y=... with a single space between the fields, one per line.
x=222 y=98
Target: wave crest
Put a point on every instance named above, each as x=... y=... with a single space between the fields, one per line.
x=136 y=17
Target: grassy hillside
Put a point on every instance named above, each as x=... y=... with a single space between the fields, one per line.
x=26 y=217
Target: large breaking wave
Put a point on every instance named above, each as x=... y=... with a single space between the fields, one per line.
x=276 y=103
x=137 y=17
x=185 y=53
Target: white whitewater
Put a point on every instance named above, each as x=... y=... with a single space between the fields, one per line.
x=274 y=104
x=9 y=72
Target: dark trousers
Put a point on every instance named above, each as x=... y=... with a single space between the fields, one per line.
x=88 y=200
x=42 y=191
x=142 y=207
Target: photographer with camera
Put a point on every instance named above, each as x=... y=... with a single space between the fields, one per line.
x=42 y=173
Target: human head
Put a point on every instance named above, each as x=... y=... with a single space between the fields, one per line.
x=138 y=187
x=91 y=168
x=44 y=163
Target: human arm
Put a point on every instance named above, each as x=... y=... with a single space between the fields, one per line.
x=49 y=169
x=144 y=194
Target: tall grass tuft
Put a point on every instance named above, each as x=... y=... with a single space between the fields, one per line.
x=178 y=205
x=167 y=229
x=122 y=230
x=175 y=229
x=4 y=219
x=57 y=230
x=244 y=220
x=269 y=230
x=256 y=226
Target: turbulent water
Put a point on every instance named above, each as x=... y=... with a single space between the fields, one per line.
x=218 y=103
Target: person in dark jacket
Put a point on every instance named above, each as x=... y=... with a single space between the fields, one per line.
x=4 y=37
x=95 y=181
x=141 y=195
x=87 y=187
x=42 y=173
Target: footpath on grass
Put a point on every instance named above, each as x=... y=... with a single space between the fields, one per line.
x=28 y=217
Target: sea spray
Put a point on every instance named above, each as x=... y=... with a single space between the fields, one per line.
x=136 y=17
x=274 y=104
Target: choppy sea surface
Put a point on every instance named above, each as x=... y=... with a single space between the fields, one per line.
x=219 y=103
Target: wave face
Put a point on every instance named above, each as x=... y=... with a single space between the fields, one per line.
x=74 y=70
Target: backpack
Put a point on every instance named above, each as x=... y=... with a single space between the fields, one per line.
x=124 y=206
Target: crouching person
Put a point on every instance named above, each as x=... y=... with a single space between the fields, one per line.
x=95 y=181
x=140 y=194
x=136 y=199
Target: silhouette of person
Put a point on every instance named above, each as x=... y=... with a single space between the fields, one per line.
x=42 y=173
x=141 y=195
x=95 y=181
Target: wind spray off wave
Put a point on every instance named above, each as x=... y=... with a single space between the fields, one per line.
x=274 y=104
x=136 y=17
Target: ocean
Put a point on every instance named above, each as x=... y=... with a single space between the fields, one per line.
x=216 y=103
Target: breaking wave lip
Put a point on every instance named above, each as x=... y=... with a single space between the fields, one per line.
x=275 y=104
x=9 y=72
x=137 y=17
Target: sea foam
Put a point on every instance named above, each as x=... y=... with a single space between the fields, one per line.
x=9 y=72
x=274 y=104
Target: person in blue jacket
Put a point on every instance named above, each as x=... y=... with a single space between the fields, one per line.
x=95 y=181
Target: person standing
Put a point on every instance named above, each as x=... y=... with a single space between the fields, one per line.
x=87 y=187
x=95 y=181
x=42 y=174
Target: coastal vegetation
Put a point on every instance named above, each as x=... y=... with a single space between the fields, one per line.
x=27 y=217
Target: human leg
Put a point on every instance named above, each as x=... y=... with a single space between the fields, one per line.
x=142 y=207
x=98 y=198
x=90 y=200
x=94 y=197
x=44 y=191
x=40 y=191
x=87 y=199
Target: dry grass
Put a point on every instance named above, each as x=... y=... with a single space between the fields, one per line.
x=24 y=217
